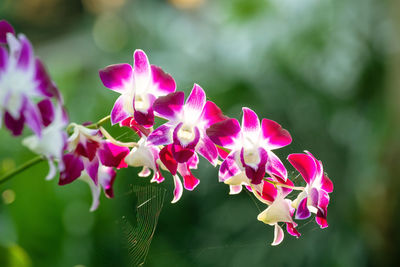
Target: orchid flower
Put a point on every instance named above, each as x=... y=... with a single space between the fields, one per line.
x=250 y=146
x=139 y=87
x=187 y=125
x=314 y=198
x=54 y=138
x=22 y=80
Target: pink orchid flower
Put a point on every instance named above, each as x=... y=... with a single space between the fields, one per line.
x=187 y=125
x=314 y=198
x=139 y=87
x=22 y=80
x=250 y=146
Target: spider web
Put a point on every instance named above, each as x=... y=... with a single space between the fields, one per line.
x=138 y=231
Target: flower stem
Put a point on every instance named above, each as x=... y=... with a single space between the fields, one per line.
x=116 y=142
x=300 y=188
x=20 y=169
x=99 y=123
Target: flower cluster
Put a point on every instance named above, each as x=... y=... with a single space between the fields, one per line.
x=193 y=127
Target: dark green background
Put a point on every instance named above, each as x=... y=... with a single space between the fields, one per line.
x=326 y=70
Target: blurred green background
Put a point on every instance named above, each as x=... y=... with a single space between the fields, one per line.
x=327 y=70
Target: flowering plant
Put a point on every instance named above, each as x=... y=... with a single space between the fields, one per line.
x=243 y=152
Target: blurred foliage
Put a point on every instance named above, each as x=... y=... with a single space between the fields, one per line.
x=320 y=68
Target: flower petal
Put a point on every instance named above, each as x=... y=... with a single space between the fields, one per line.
x=275 y=166
x=3 y=59
x=117 y=77
x=169 y=106
x=144 y=119
x=118 y=113
x=250 y=122
x=305 y=165
x=106 y=179
x=141 y=70
x=274 y=135
x=73 y=166
x=212 y=114
x=112 y=155
x=33 y=117
x=163 y=83
x=46 y=109
x=224 y=133
x=207 y=149
x=45 y=85
x=278 y=235
x=189 y=181
x=92 y=169
x=178 y=189
x=5 y=28
x=302 y=210
x=291 y=229
x=182 y=154
x=161 y=136
x=255 y=174
x=229 y=167
x=168 y=160
x=25 y=58
x=195 y=103
x=14 y=125
x=269 y=191
x=235 y=189
x=327 y=184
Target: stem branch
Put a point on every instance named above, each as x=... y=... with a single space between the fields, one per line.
x=20 y=169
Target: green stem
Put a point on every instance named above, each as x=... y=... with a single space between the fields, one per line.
x=99 y=123
x=20 y=169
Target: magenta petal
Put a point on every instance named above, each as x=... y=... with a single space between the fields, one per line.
x=169 y=106
x=207 y=149
x=321 y=218
x=73 y=166
x=285 y=191
x=163 y=82
x=107 y=177
x=189 y=181
x=314 y=197
x=168 y=160
x=112 y=155
x=144 y=119
x=195 y=102
x=193 y=161
x=25 y=58
x=269 y=191
x=275 y=166
x=212 y=114
x=14 y=125
x=3 y=58
x=115 y=77
x=182 y=154
x=45 y=85
x=224 y=133
x=302 y=210
x=291 y=229
x=161 y=136
x=327 y=184
x=323 y=199
x=250 y=121
x=274 y=135
x=46 y=109
x=33 y=117
x=5 y=28
x=305 y=165
x=255 y=175
x=118 y=113
x=228 y=167
x=92 y=169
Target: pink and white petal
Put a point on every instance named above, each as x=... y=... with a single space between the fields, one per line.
x=284 y=190
x=189 y=181
x=235 y=189
x=170 y=106
x=223 y=153
x=327 y=184
x=95 y=189
x=47 y=112
x=193 y=161
x=52 y=170
x=145 y=172
x=44 y=85
x=302 y=210
x=250 y=122
x=255 y=174
x=207 y=149
x=195 y=103
x=14 y=125
x=229 y=167
x=212 y=114
x=25 y=58
x=112 y=155
x=33 y=117
x=73 y=166
x=225 y=133
x=92 y=169
x=269 y=191
x=274 y=136
x=168 y=160
x=3 y=59
x=157 y=177
x=5 y=28
x=118 y=113
x=106 y=179
x=275 y=166
x=178 y=190
x=117 y=77
x=278 y=235
x=305 y=165
x=291 y=229
x=161 y=136
x=162 y=82
x=313 y=197
x=141 y=70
